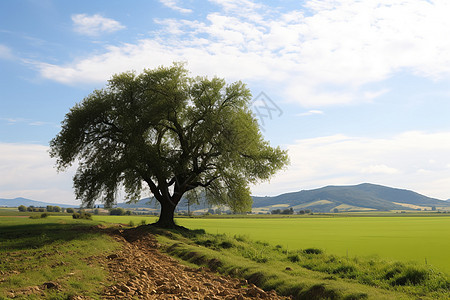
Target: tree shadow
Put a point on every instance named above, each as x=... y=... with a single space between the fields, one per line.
x=34 y=236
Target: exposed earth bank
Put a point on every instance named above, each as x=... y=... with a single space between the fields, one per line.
x=141 y=271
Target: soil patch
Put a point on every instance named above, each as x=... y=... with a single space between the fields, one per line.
x=140 y=270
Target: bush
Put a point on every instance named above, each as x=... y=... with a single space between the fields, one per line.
x=411 y=276
x=118 y=211
x=82 y=215
x=41 y=216
x=312 y=251
x=22 y=208
x=70 y=210
x=294 y=258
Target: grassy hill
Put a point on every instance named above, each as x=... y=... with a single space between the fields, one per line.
x=28 y=202
x=350 y=198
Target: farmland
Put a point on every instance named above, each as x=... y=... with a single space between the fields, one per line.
x=400 y=238
x=423 y=238
x=359 y=252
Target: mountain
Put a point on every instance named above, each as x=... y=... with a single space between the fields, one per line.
x=360 y=197
x=27 y=202
x=149 y=204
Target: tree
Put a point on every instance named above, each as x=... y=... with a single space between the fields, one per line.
x=70 y=210
x=22 y=208
x=56 y=209
x=49 y=208
x=171 y=132
x=117 y=211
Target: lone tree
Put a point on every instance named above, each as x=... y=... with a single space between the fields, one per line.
x=172 y=132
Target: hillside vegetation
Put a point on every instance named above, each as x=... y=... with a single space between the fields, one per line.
x=307 y=273
x=352 y=198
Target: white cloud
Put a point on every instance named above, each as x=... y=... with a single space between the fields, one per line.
x=94 y=25
x=310 y=113
x=324 y=53
x=400 y=161
x=379 y=169
x=27 y=171
x=173 y=4
x=6 y=52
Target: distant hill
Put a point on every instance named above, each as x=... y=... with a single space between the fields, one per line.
x=362 y=197
x=149 y=204
x=27 y=202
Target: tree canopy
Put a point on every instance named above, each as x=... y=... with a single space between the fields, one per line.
x=174 y=133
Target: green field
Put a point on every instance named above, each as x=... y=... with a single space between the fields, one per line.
x=57 y=249
x=400 y=238
x=423 y=239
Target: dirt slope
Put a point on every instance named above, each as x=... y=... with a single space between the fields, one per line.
x=143 y=272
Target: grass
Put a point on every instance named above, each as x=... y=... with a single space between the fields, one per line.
x=309 y=273
x=311 y=257
x=56 y=249
x=421 y=239
x=417 y=237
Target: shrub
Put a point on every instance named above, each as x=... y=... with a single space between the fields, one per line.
x=312 y=251
x=226 y=245
x=82 y=215
x=294 y=258
x=22 y=208
x=118 y=211
x=37 y=216
x=411 y=276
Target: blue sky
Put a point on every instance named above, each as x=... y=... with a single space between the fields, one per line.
x=360 y=89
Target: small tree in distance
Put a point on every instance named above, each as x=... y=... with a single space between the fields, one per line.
x=174 y=133
x=22 y=208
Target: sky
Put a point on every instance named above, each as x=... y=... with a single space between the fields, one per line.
x=356 y=91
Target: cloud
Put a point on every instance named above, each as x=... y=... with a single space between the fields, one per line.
x=6 y=53
x=173 y=4
x=379 y=169
x=27 y=171
x=310 y=113
x=414 y=160
x=15 y=121
x=94 y=25
x=324 y=53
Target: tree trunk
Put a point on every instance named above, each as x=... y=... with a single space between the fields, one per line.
x=167 y=213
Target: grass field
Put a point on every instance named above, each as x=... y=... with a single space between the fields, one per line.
x=422 y=239
x=419 y=239
x=57 y=248
x=54 y=249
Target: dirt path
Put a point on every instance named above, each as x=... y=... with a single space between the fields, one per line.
x=143 y=272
